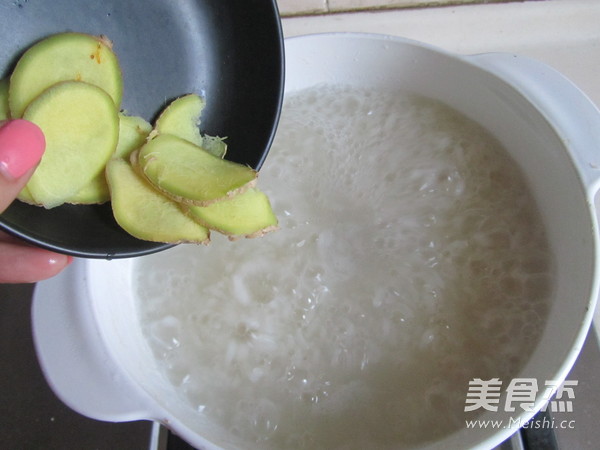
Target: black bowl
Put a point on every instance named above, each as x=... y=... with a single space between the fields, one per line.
x=229 y=51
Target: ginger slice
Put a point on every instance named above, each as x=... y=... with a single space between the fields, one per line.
x=245 y=215
x=133 y=131
x=189 y=174
x=93 y=193
x=63 y=57
x=25 y=197
x=4 y=110
x=144 y=212
x=81 y=126
x=181 y=118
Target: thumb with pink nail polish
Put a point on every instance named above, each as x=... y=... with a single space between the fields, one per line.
x=22 y=145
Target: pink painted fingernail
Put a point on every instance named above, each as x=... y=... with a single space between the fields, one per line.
x=22 y=145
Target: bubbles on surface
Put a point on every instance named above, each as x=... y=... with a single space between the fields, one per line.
x=410 y=260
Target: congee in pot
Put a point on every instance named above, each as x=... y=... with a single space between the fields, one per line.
x=411 y=259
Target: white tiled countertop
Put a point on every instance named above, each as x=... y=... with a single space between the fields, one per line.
x=564 y=34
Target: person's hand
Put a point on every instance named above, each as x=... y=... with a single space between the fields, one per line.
x=22 y=145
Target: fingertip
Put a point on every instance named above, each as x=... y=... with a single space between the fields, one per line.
x=21 y=263
x=22 y=145
x=48 y=264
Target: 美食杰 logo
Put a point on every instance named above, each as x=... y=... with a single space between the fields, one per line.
x=520 y=394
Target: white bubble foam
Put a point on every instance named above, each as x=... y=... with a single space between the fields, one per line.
x=409 y=261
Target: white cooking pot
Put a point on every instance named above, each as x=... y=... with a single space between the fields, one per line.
x=89 y=342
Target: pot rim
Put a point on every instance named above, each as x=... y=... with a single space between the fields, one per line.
x=493 y=63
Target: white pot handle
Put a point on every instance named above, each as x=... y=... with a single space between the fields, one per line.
x=72 y=355
x=560 y=101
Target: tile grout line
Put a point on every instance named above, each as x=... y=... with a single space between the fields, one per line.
x=424 y=4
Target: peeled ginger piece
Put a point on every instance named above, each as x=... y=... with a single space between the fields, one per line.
x=182 y=119
x=64 y=57
x=4 y=110
x=133 y=132
x=188 y=174
x=145 y=213
x=79 y=140
x=246 y=215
